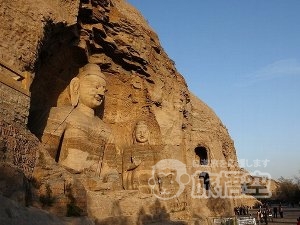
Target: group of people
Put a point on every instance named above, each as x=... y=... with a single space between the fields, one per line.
x=241 y=210
x=265 y=213
x=276 y=210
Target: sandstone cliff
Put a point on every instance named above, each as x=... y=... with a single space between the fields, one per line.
x=53 y=40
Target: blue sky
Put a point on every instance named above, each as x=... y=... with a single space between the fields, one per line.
x=241 y=57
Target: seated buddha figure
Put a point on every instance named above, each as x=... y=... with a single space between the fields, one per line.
x=74 y=136
x=138 y=160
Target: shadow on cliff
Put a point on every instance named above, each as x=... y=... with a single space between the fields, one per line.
x=156 y=215
x=116 y=219
x=58 y=62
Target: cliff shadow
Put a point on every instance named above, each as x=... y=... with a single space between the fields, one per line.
x=59 y=60
x=116 y=219
x=157 y=215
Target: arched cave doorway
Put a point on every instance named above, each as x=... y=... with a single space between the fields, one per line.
x=205 y=177
x=201 y=154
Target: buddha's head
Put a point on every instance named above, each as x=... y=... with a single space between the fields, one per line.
x=141 y=133
x=88 y=87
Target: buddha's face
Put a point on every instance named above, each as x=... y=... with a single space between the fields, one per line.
x=141 y=133
x=91 y=91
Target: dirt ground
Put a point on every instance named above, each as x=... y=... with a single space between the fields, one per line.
x=290 y=216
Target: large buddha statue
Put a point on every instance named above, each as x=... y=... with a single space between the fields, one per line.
x=138 y=160
x=74 y=136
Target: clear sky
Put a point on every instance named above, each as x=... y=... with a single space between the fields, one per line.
x=241 y=57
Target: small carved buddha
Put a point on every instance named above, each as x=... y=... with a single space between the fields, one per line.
x=138 y=160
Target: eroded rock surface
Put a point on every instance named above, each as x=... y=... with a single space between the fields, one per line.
x=186 y=141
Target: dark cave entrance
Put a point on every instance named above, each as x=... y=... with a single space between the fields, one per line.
x=201 y=152
x=205 y=180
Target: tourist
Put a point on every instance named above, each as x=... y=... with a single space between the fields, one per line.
x=258 y=216
x=275 y=212
x=265 y=215
x=280 y=211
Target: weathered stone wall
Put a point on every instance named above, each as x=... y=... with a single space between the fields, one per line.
x=17 y=147
x=14 y=105
x=22 y=25
x=142 y=83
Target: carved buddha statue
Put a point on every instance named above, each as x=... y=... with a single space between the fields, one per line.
x=74 y=135
x=138 y=160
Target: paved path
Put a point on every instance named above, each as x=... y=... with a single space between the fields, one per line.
x=290 y=216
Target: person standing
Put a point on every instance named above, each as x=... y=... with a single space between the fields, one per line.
x=275 y=212
x=280 y=211
x=258 y=216
x=265 y=215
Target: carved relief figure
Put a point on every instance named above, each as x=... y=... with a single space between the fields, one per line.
x=138 y=160
x=74 y=136
x=169 y=177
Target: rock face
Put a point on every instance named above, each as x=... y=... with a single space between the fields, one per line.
x=187 y=145
x=20 y=40
x=12 y=213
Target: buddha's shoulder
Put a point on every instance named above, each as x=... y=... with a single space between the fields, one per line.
x=60 y=113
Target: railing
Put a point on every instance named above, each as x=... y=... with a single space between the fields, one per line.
x=14 y=78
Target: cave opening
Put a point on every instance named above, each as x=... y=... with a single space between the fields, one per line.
x=201 y=153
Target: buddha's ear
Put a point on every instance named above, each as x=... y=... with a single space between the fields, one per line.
x=74 y=91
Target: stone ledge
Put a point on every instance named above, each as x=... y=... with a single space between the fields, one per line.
x=10 y=82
